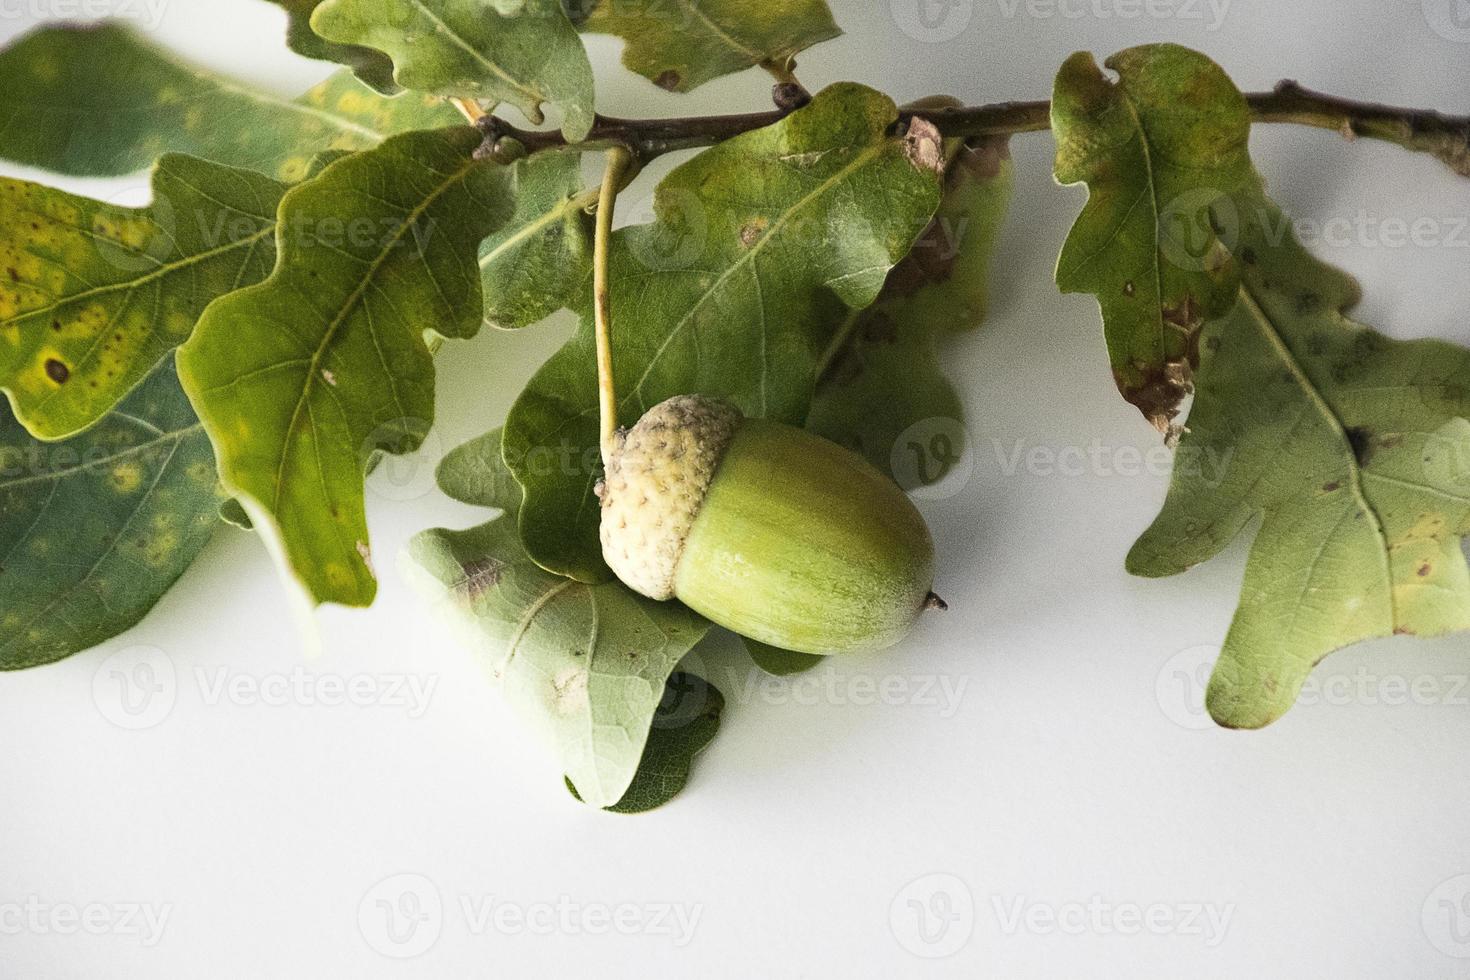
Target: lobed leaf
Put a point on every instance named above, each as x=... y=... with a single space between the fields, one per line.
x=373 y=67
x=301 y=379
x=523 y=53
x=688 y=719
x=681 y=44
x=1354 y=452
x=759 y=247
x=586 y=665
x=883 y=393
x=136 y=101
x=1163 y=153
x=95 y=529
x=541 y=259
x=93 y=295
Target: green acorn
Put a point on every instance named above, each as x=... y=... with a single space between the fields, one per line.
x=765 y=529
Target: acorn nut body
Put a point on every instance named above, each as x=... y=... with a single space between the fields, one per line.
x=765 y=529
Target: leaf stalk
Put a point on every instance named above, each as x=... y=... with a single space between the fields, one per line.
x=617 y=167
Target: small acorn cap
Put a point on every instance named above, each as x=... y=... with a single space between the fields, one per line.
x=656 y=481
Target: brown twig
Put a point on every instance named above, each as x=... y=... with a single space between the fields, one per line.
x=1445 y=137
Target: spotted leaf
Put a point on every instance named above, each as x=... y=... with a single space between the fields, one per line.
x=1163 y=152
x=1353 y=451
x=94 y=529
x=92 y=295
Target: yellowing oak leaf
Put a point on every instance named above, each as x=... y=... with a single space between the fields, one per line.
x=92 y=295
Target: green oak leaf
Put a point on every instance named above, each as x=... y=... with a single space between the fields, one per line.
x=681 y=44
x=1351 y=448
x=884 y=393
x=688 y=719
x=1163 y=153
x=136 y=101
x=541 y=259
x=758 y=248
x=523 y=53
x=301 y=379
x=92 y=295
x=95 y=529
x=373 y=67
x=774 y=660
x=585 y=664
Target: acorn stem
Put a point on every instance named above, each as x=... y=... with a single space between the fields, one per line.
x=618 y=162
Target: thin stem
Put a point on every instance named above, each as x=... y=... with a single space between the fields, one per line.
x=1447 y=138
x=470 y=109
x=618 y=162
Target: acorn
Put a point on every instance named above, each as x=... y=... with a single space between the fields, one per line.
x=766 y=529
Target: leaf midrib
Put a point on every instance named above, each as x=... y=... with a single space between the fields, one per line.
x=313 y=368
x=1327 y=412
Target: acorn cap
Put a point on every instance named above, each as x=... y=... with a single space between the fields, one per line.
x=655 y=485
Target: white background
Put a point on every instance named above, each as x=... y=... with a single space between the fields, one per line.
x=1066 y=773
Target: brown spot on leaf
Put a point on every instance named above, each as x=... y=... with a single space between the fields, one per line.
x=752 y=230
x=1186 y=315
x=1425 y=569
x=57 y=371
x=1330 y=487
x=1361 y=441
x=14 y=276
x=480 y=577
x=669 y=80
x=923 y=146
x=1128 y=288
